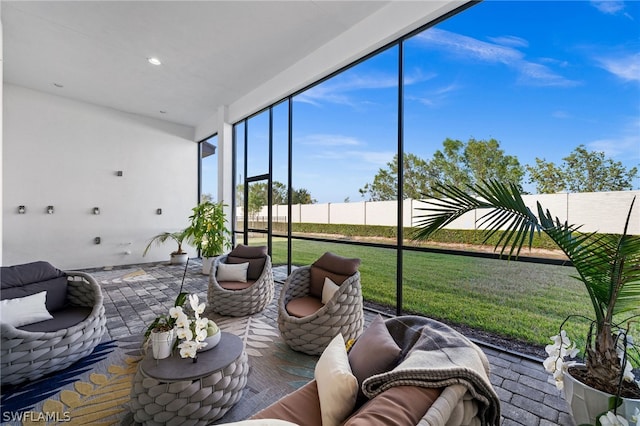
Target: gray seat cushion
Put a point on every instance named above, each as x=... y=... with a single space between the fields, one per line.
x=31 y=278
x=62 y=319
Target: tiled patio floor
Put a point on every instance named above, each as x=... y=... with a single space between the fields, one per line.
x=527 y=396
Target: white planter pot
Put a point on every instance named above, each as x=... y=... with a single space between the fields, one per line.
x=162 y=343
x=588 y=403
x=207 y=263
x=179 y=259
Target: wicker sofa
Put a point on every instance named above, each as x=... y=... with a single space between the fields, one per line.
x=404 y=371
x=46 y=333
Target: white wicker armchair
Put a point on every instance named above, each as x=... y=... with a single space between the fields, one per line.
x=32 y=351
x=242 y=298
x=311 y=325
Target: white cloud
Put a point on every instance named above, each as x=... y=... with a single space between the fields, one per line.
x=561 y=114
x=473 y=49
x=336 y=89
x=625 y=146
x=625 y=67
x=509 y=40
x=436 y=96
x=609 y=7
x=320 y=139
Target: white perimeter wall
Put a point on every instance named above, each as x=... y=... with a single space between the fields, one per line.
x=598 y=211
x=66 y=153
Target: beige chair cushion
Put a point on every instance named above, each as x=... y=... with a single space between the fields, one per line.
x=303 y=306
x=337 y=268
x=235 y=285
x=256 y=256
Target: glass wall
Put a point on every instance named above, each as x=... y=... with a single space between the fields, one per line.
x=482 y=94
x=209 y=169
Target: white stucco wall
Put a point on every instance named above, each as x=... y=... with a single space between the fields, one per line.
x=66 y=153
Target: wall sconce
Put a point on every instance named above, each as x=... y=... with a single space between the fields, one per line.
x=96 y=240
x=96 y=210
x=22 y=209
x=159 y=211
x=50 y=209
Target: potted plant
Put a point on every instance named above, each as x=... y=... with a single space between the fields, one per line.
x=607 y=265
x=161 y=333
x=207 y=231
x=177 y=257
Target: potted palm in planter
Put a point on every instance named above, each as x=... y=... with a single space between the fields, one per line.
x=608 y=265
x=177 y=257
x=208 y=232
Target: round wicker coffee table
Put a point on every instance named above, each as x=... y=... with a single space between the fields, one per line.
x=177 y=391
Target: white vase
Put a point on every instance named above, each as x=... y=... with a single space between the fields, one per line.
x=179 y=259
x=207 y=263
x=162 y=343
x=588 y=403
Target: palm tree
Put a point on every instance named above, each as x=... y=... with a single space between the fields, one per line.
x=608 y=265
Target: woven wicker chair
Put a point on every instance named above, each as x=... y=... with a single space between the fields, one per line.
x=237 y=298
x=342 y=312
x=27 y=355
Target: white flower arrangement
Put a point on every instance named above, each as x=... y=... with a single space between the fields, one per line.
x=562 y=348
x=611 y=419
x=192 y=332
x=555 y=364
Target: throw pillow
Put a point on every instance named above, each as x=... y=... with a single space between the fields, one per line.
x=337 y=386
x=328 y=290
x=232 y=272
x=25 y=310
x=374 y=352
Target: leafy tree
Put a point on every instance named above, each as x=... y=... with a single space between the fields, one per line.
x=302 y=196
x=581 y=171
x=279 y=193
x=385 y=183
x=457 y=163
x=258 y=195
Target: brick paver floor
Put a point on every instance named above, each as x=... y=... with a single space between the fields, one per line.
x=527 y=395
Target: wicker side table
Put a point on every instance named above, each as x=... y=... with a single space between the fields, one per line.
x=177 y=391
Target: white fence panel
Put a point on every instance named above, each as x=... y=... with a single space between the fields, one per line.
x=382 y=213
x=347 y=213
x=597 y=211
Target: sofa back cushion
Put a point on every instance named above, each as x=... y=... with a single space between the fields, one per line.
x=31 y=278
x=398 y=406
x=337 y=268
x=256 y=256
x=301 y=406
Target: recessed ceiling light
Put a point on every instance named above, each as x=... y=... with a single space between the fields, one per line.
x=58 y=85
x=154 y=61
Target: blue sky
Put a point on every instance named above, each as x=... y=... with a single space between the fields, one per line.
x=541 y=77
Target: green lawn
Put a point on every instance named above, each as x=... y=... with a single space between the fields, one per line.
x=526 y=301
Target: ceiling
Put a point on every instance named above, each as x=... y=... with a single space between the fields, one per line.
x=212 y=52
x=241 y=54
